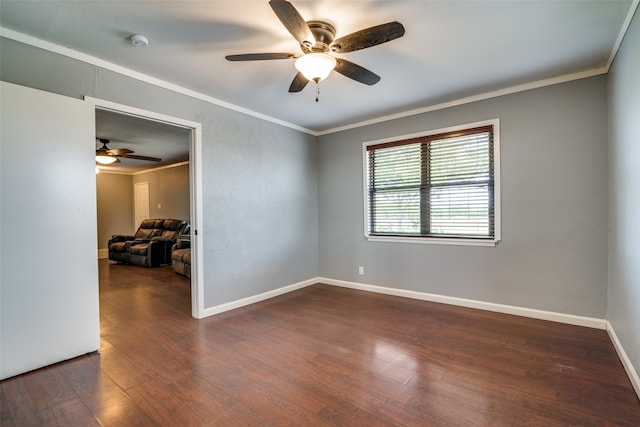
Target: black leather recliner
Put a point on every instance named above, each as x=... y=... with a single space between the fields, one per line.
x=150 y=246
x=181 y=253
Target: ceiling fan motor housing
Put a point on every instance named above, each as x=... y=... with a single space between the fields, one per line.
x=324 y=34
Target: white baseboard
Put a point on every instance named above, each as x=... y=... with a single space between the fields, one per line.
x=626 y=362
x=570 y=319
x=103 y=253
x=210 y=311
x=590 y=322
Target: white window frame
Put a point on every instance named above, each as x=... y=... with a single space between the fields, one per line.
x=439 y=240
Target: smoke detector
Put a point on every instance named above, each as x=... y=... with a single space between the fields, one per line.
x=138 y=40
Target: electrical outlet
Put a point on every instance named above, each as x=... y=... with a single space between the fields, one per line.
x=361 y=270
x=159 y=205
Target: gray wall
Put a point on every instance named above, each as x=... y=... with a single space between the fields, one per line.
x=115 y=206
x=169 y=188
x=553 y=253
x=259 y=227
x=624 y=194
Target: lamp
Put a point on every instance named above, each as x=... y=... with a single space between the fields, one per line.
x=315 y=66
x=104 y=158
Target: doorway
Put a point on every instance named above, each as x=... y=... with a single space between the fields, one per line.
x=195 y=184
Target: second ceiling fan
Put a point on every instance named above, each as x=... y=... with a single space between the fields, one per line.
x=317 y=40
x=106 y=155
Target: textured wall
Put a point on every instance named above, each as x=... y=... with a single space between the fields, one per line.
x=553 y=253
x=624 y=194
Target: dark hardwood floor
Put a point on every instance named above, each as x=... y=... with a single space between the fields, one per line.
x=320 y=356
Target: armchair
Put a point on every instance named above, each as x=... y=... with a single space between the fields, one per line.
x=181 y=254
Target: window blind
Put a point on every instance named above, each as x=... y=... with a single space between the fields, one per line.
x=433 y=186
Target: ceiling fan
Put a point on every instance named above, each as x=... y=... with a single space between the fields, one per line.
x=107 y=156
x=317 y=40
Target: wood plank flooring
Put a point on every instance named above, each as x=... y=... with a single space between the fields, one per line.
x=320 y=356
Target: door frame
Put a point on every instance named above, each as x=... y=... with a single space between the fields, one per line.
x=195 y=188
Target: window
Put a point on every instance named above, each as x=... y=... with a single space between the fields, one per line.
x=435 y=188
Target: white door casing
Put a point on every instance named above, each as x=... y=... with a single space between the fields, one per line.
x=196 y=197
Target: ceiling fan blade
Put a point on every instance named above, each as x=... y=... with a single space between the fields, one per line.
x=368 y=37
x=259 y=56
x=119 y=151
x=133 y=156
x=356 y=72
x=293 y=22
x=299 y=82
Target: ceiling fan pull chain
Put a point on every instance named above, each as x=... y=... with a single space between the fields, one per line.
x=317 y=89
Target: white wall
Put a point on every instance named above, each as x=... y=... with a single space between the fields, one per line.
x=49 y=271
x=623 y=310
x=553 y=253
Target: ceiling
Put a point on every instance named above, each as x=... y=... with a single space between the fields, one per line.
x=451 y=50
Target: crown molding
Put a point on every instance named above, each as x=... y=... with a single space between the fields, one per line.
x=623 y=31
x=110 y=170
x=469 y=99
x=98 y=62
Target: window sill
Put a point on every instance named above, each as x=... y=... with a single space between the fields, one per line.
x=432 y=241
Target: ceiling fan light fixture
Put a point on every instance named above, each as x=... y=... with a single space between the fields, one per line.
x=315 y=66
x=105 y=159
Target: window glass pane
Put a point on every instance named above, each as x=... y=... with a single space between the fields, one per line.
x=460 y=159
x=396 y=212
x=396 y=166
x=395 y=186
x=460 y=210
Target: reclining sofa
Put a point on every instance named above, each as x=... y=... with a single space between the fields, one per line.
x=150 y=246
